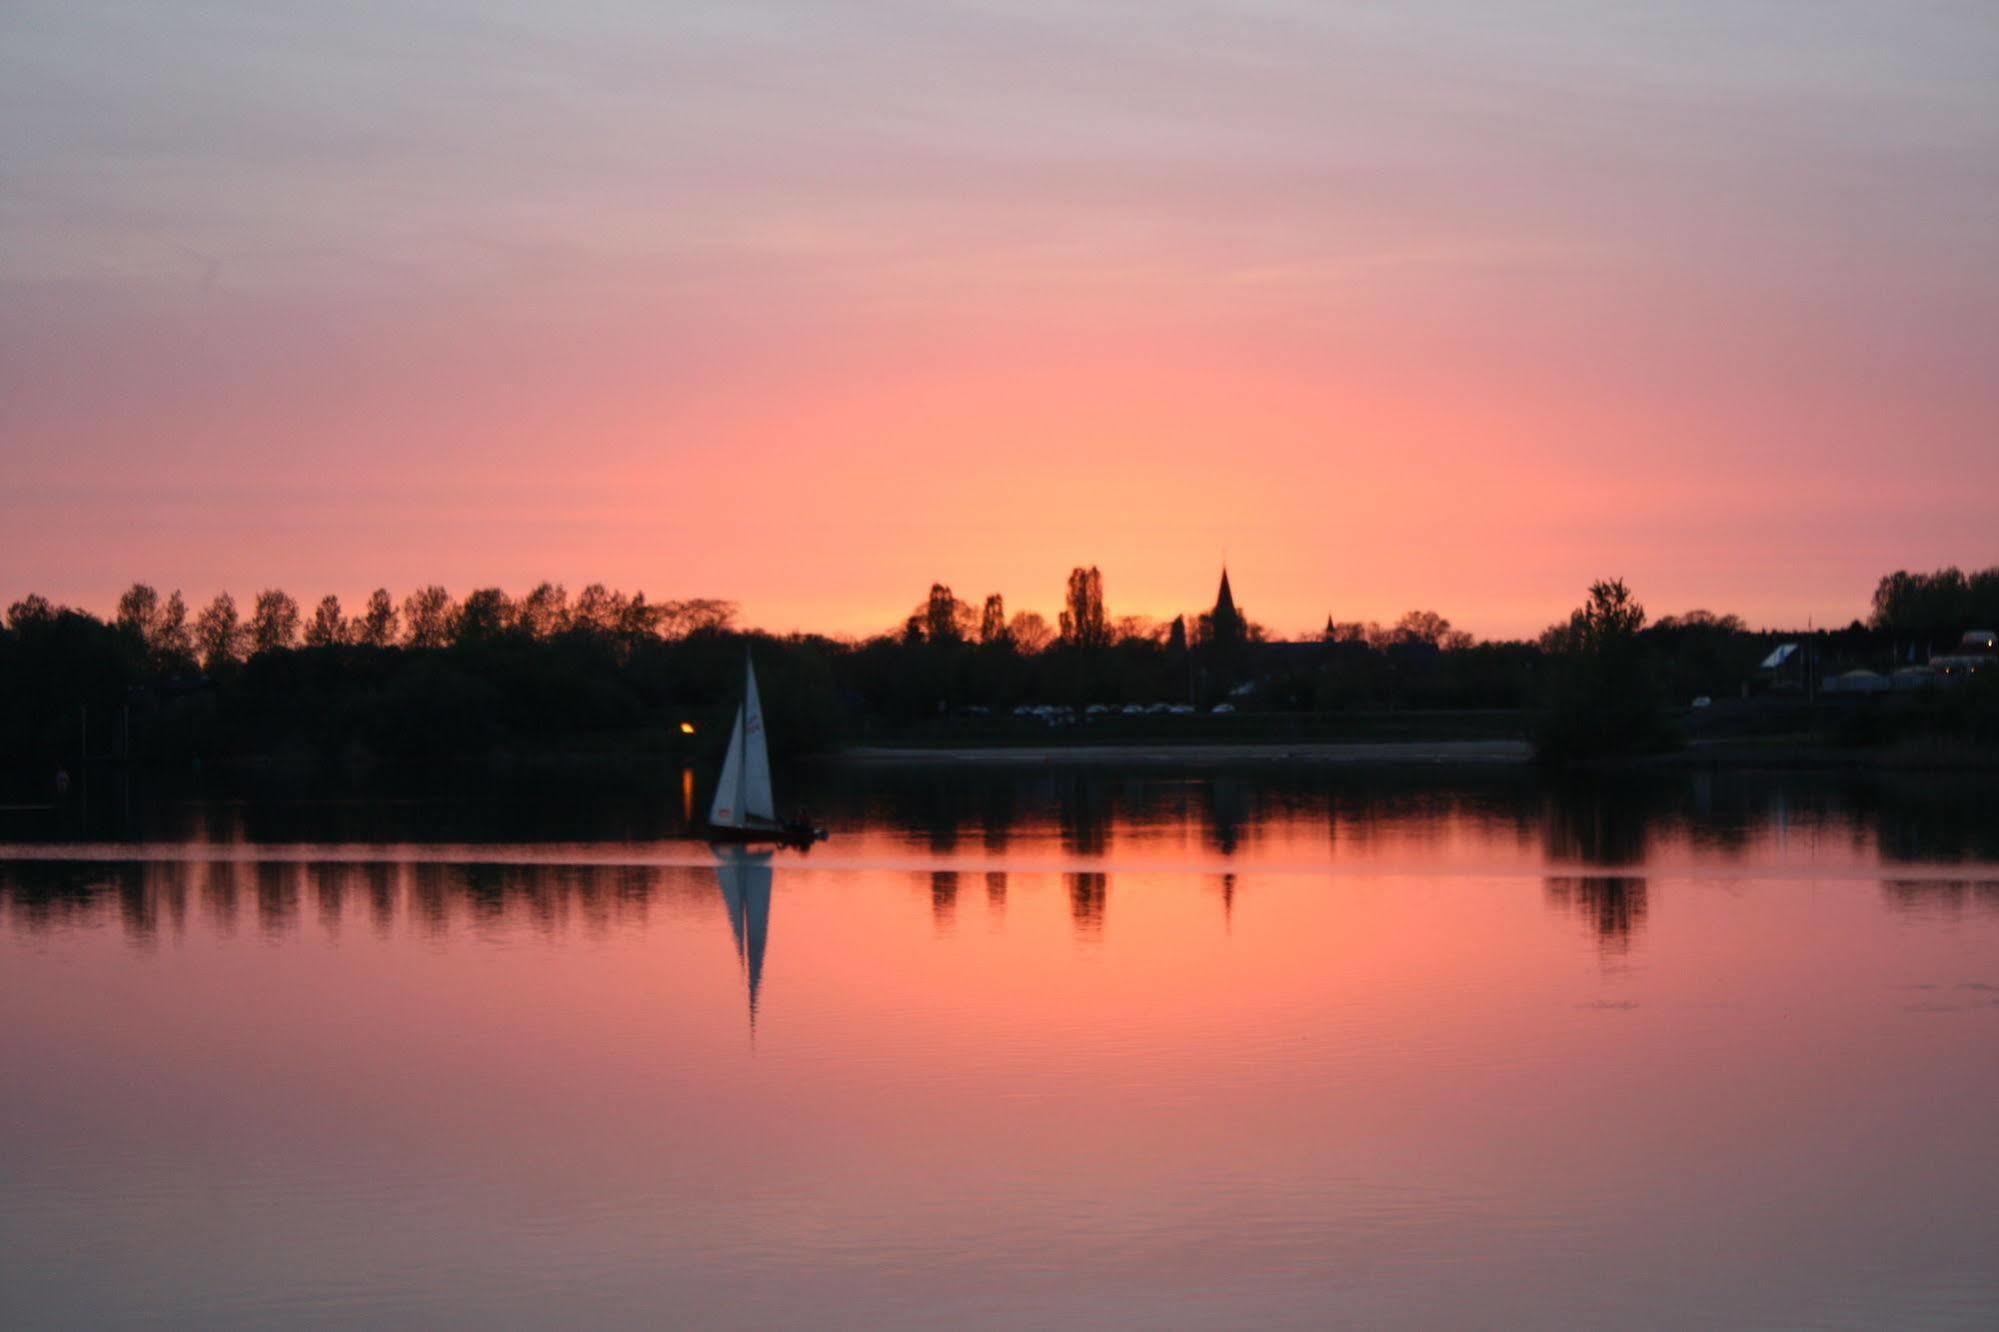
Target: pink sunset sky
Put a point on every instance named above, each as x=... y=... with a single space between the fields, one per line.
x=806 y=305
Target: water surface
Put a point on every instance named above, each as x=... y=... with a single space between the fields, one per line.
x=1262 y=1047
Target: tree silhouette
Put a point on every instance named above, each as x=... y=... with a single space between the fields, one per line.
x=1030 y=632
x=428 y=617
x=377 y=625
x=273 y=621
x=158 y=627
x=486 y=614
x=218 y=633
x=1607 y=625
x=1137 y=629
x=1083 y=621
x=30 y=612
x=942 y=615
x=1423 y=626
x=639 y=618
x=327 y=627
x=172 y=647
x=696 y=615
x=139 y=612
x=544 y=612
x=1603 y=699
x=598 y=610
x=992 y=620
x=1938 y=605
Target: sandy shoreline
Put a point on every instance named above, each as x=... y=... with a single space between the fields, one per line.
x=1400 y=751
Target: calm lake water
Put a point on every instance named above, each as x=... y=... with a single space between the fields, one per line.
x=1042 y=1049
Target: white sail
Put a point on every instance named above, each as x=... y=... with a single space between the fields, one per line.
x=743 y=796
x=757 y=800
x=727 y=809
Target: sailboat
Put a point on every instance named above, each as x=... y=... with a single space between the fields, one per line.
x=744 y=809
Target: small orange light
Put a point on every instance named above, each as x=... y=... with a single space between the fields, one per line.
x=687 y=728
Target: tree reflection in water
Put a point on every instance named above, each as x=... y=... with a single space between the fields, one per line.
x=1611 y=905
x=1088 y=894
x=1941 y=897
x=1589 y=825
x=944 y=900
x=1596 y=838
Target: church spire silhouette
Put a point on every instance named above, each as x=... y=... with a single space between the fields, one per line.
x=1225 y=622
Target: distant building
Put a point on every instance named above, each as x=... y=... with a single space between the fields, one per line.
x=1975 y=654
x=1857 y=682
x=1779 y=657
x=1783 y=671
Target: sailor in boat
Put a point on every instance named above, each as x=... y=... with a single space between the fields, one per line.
x=744 y=809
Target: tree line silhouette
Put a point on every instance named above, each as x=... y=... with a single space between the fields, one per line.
x=219 y=635
x=429 y=675
x=1936 y=605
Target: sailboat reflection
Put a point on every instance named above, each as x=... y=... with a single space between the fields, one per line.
x=745 y=876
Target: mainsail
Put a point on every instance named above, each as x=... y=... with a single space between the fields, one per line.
x=743 y=797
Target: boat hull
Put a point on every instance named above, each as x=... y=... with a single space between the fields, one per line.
x=798 y=835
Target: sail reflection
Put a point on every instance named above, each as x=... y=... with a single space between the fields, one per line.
x=745 y=878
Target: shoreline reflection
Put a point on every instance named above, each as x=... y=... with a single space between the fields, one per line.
x=1595 y=847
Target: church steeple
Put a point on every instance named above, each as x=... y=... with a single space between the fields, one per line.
x=1226 y=623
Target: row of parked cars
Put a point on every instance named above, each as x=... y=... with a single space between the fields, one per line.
x=1055 y=714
